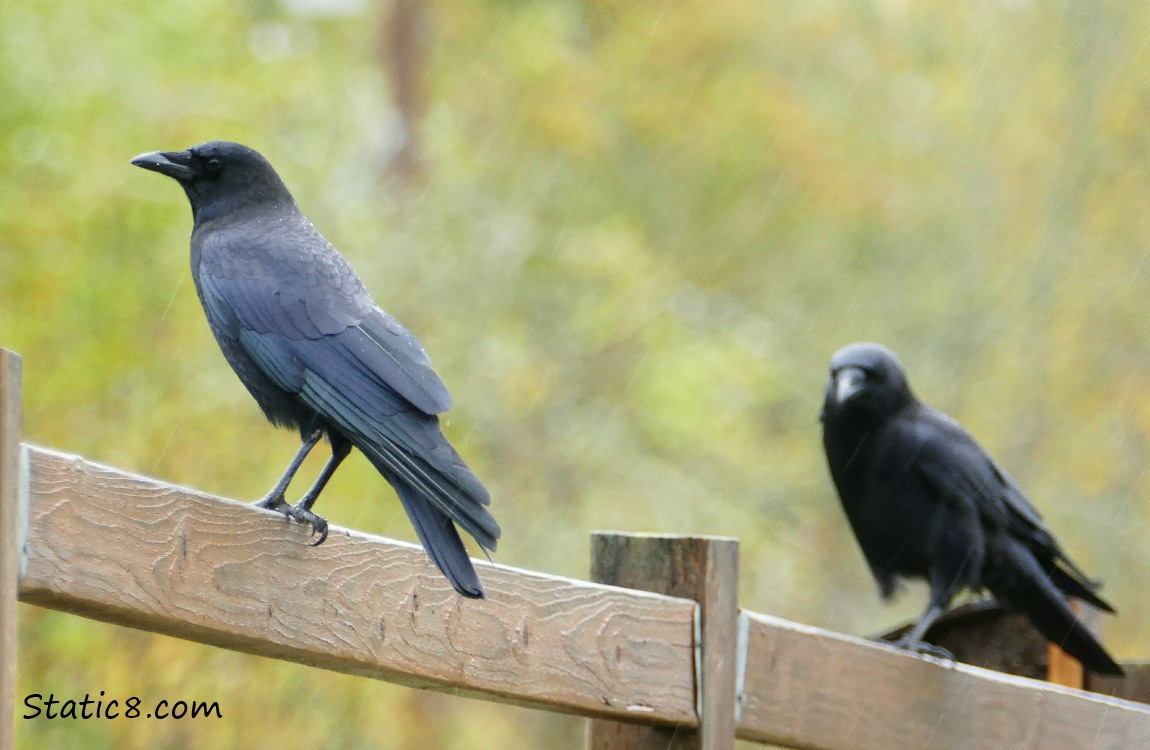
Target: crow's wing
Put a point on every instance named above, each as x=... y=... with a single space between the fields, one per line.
x=299 y=287
x=312 y=329
x=409 y=446
x=958 y=467
x=960 y=470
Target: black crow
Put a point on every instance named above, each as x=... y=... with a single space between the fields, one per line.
x=318 y=355
x=926 y=501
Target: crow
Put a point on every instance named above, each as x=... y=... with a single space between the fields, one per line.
x=318 y=355
x=926 y=501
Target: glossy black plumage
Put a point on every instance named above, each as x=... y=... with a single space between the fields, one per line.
x=926 y=501
x=318 y=355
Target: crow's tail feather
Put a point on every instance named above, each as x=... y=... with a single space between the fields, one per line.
x=422 y=492
x=1033 y=592
x=1072 y=585
x=441 y=540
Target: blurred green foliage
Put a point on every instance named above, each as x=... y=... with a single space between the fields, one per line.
x=645 y=227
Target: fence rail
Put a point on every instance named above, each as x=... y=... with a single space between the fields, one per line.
x=126 y=549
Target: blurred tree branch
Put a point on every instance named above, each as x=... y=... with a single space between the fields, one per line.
x=402 y=53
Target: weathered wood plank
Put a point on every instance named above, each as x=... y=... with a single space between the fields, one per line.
x=705 y=569
x=718 y=599
x=10 y=426
x=139 y=552
x=809 y=688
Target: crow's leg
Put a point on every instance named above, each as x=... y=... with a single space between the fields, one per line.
x=275 y=499
x=957 y=563
x=913 y=641
x=301 y=512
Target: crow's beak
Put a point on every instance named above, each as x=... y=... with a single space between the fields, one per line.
x=175 y=164
x=848 y=382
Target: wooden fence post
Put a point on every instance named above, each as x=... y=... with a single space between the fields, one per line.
x=10 y=425
x=1061 y=667
x=705 y=569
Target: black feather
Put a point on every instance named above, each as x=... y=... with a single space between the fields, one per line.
x=926 y=501
x=297 y=325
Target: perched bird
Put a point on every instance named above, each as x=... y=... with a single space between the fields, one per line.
x=318 y=355
x=926 y=501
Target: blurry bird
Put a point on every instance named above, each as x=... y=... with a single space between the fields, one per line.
x=318 y=355
x=926 y=501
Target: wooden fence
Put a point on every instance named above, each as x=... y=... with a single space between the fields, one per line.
x=682 y=667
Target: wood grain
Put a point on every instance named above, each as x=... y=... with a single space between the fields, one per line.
x=718 y=658
x=139 y=552
x=10 y=426
x=810 y=688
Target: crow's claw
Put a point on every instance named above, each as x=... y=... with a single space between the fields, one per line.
x=298 y=514
x=922 y=647
x=274 y=502
x=317 y=523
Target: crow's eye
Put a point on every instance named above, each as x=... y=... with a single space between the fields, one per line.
x=213 y=165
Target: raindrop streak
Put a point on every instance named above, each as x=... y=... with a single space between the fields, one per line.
x=164 y=449
x=175 y=294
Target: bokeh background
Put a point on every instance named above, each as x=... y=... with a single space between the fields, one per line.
x=630 y=234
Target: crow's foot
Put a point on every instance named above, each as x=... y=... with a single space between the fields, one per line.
x=297 y=513
x=275 y=502
x=317 y=523
x=922 y=647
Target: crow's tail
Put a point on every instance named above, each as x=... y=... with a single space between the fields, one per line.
x=1032 y=591
x=1077 y=586
x=441 y=541
x=435 y=502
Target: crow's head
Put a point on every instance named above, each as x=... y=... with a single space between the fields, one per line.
x=866 y=380
x=220 y=177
